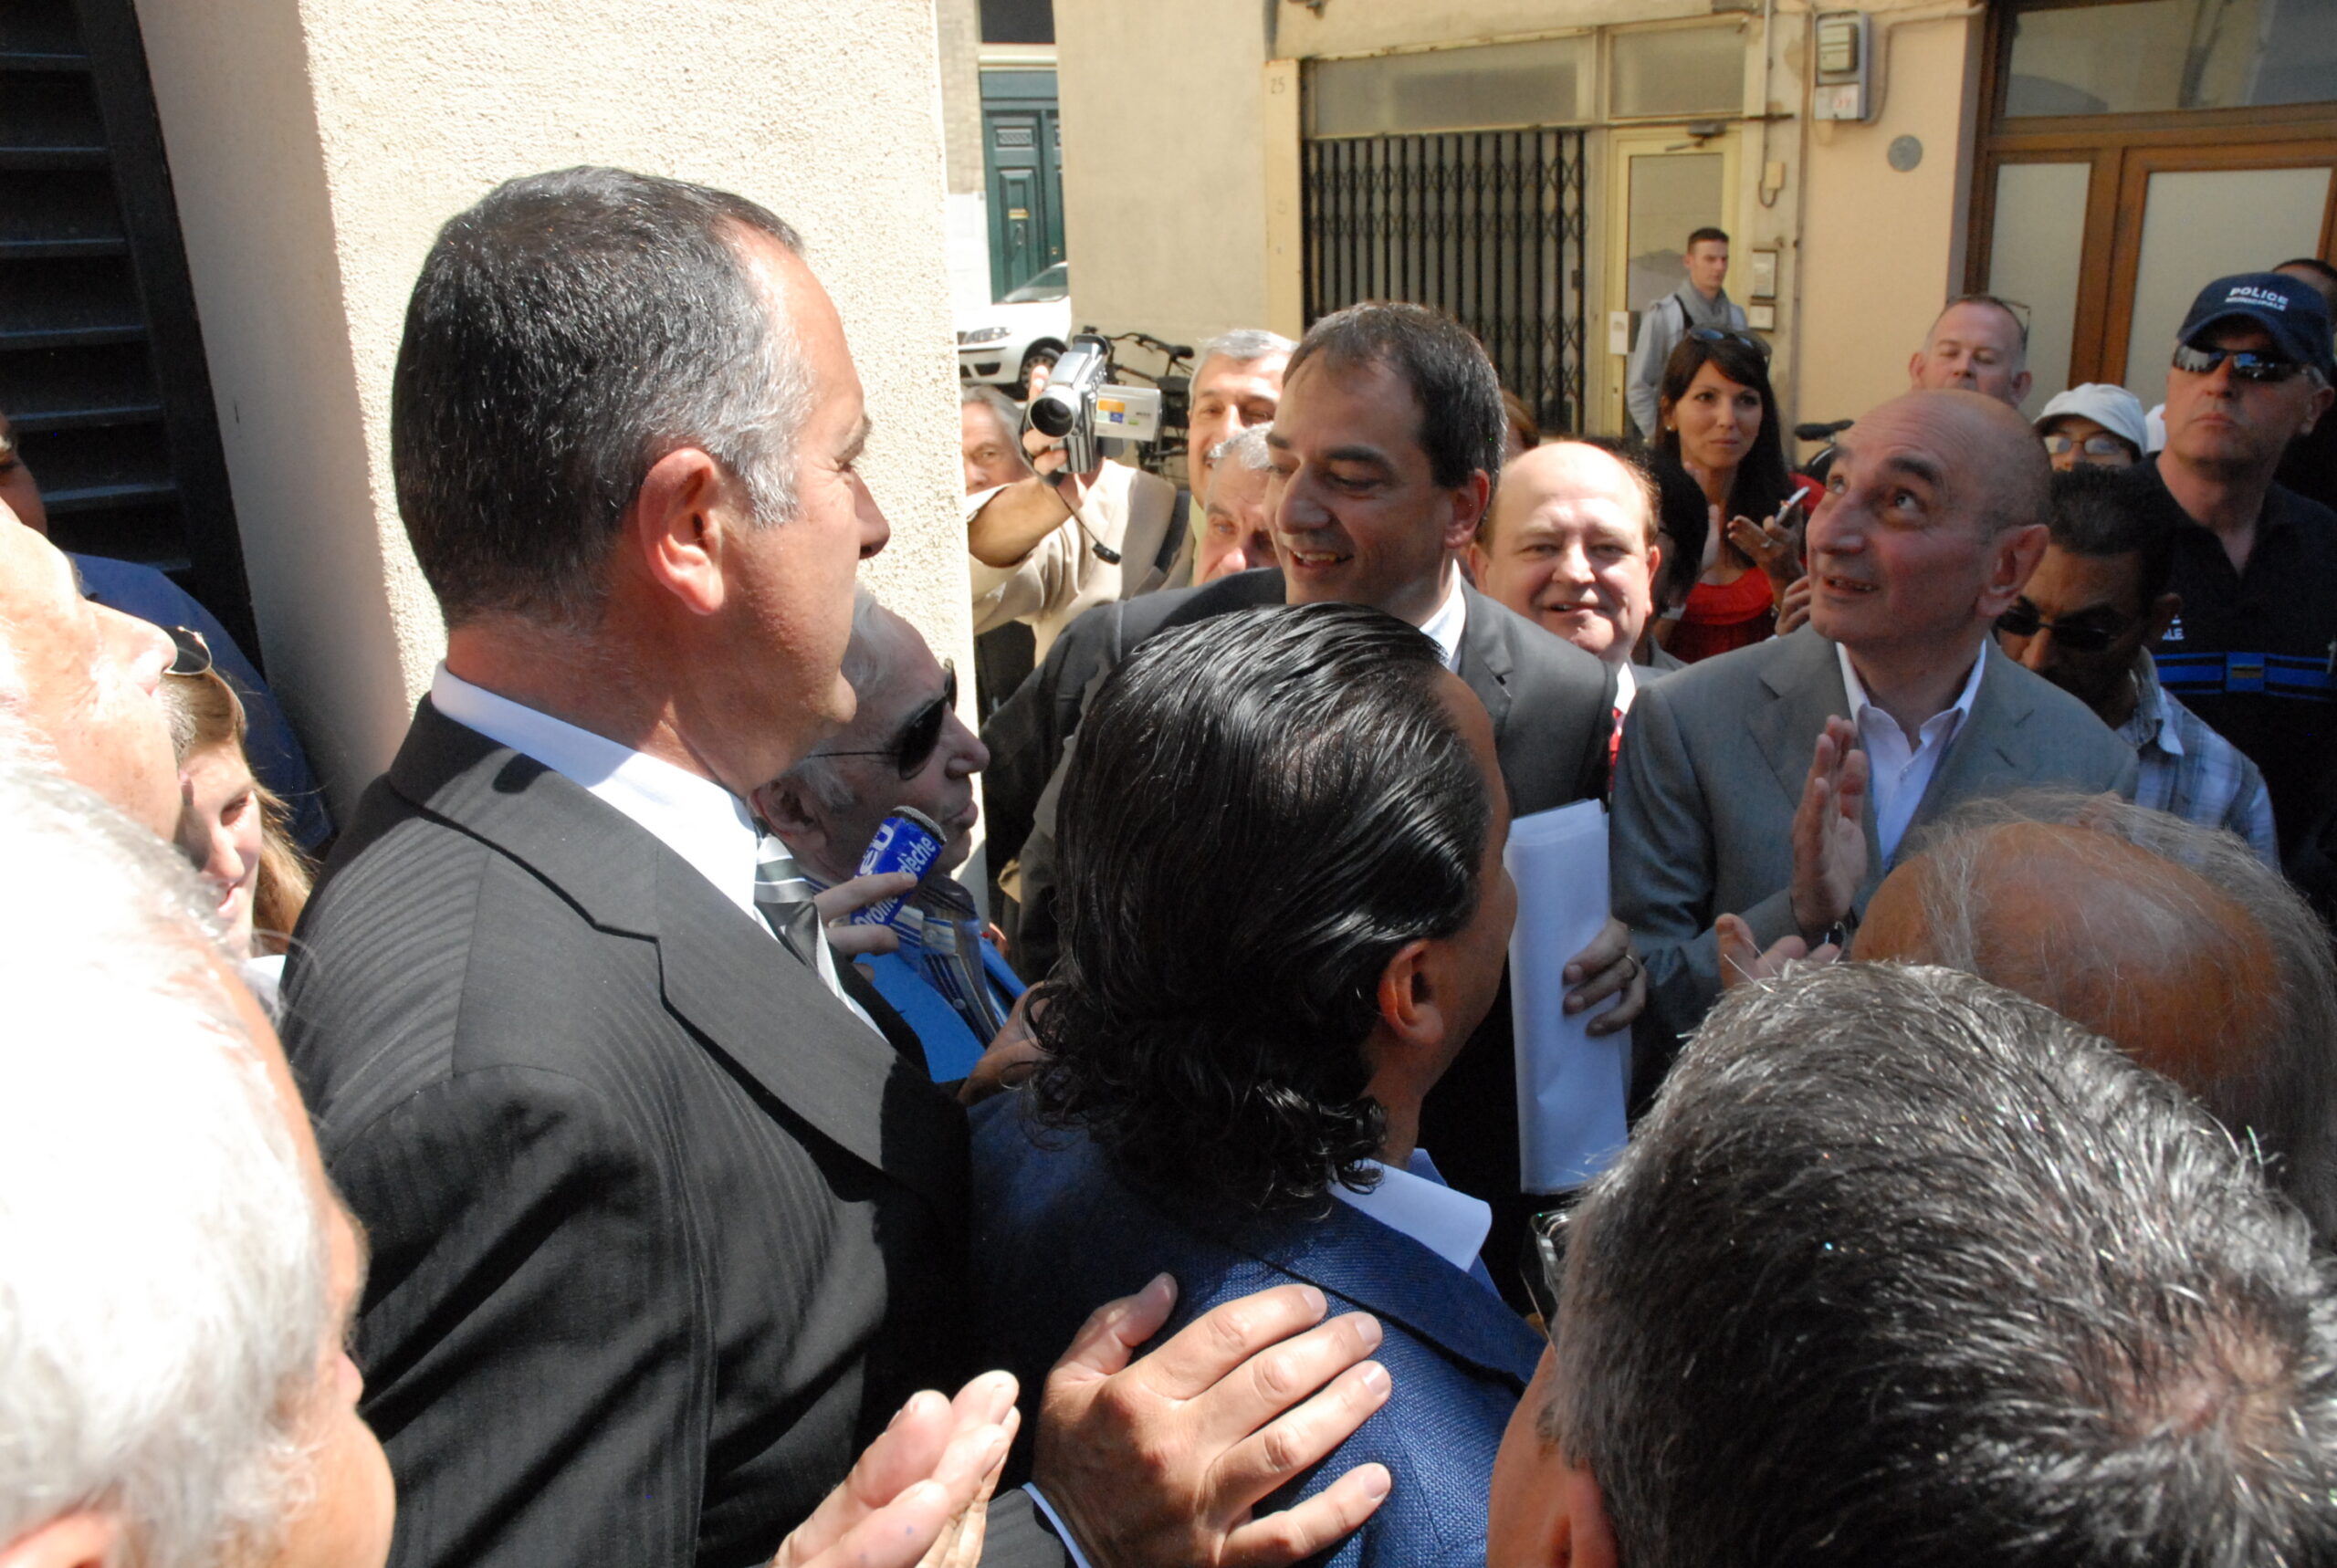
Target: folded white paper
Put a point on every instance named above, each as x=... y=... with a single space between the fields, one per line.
x=1570 y=1086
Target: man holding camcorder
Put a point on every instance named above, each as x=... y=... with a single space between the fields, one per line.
x=1083 y=530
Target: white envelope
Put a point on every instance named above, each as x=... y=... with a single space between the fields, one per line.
x=1570 y=1087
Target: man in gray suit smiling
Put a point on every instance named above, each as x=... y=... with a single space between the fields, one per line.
x=1780 y=782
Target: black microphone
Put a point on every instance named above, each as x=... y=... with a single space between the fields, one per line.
x=1104 y=552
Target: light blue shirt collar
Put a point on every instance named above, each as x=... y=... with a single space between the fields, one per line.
x=1415 y=1202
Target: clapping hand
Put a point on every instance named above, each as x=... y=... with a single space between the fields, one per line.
x=1742 y=961
x=919 y=1497
x=1829 y=832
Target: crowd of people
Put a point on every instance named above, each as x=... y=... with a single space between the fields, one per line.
x=605 y=1157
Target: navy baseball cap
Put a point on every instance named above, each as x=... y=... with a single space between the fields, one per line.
x=2291 y=312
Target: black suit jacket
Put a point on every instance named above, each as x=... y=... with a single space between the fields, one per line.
x=661 y=1234
x=1553 y=709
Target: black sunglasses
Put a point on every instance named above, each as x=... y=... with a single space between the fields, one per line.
x=1723 y=335
x=912 y=747
x=2022 y=620
x=2246 y=364
x=193 y=654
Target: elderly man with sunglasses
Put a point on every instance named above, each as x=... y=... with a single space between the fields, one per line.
x=905 y=747
x=2256 y=564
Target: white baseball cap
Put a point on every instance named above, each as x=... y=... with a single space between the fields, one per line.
x=2113 y=408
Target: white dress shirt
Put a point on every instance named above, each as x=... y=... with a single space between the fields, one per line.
x=1415 y=1202
x=696 y=818
x=1627 y=687
x=1445 y=627
x=1899 y=771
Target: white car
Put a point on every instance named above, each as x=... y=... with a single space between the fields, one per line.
x=995 y=343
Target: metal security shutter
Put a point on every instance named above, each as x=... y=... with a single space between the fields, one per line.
x=101 y=365
x=1487 y=225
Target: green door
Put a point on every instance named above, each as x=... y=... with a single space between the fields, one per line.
x=1022 y=148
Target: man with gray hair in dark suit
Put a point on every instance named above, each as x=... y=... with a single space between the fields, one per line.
x=1774 y=787
x=665 y=1208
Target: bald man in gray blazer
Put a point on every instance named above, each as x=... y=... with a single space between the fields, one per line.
x=1781 y=782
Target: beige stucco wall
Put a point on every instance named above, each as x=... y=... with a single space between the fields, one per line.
x=1881 y=249
x=317 y=145
x=1865 y=253
x=1164 y=180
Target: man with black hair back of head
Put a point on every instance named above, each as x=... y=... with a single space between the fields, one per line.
x=2253 y=649
x=1386 y=448
x=1234 y=1082
x=1905 y=1268
x=2084 y=622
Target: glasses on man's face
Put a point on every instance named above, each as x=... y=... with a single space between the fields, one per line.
x=191 y=655
x=2246 y=364
x=912 y=747
x=2103 y=445
x=2075 y=636
x=1723 y=335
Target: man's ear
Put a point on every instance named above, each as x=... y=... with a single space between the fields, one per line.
x=1469 y=502
x=1478 y=562
x=81 y=1539
x=786 y=806
x=1588 y=1539
x=2012 y=558
x=2161 y=615
x=1916 y=369
x=1411 y=1009
x=678 y=527
x=2321 y=398
x=1545 y=1510
x=2020 y=385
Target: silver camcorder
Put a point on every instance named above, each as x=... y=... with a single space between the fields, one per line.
x=1081 y=406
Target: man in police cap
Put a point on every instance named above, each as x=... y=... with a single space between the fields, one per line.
x=2256 y=564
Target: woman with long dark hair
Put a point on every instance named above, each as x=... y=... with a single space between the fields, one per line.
x=1717 y=421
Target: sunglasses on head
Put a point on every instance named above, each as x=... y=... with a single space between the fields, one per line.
x=1723 y=335
x=191 y=655
x=912 y=747
x=2246 y=364
x=2022 y=620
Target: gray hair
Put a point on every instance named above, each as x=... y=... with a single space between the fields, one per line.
x=568 y=332
x=2279 y=1095
x=1246 y=449
x=974 y=394
x=1906 y=1269
x=863 y=667
x=1243 y=345
x=163 y=1262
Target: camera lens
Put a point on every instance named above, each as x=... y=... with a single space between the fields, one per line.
x=1052 y=414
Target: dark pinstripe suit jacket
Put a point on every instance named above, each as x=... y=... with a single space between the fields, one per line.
x=661 y=1234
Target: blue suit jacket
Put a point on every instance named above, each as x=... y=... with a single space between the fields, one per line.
x=1057 y=1233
